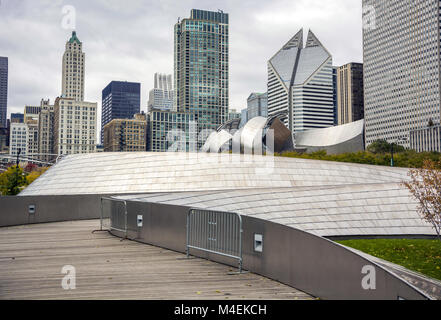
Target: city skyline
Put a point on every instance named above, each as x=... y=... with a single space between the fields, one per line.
x=148 y=46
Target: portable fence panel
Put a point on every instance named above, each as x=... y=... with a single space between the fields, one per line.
x=215 y=232
x=114 y=215
x=106 y=209
x=118 y=217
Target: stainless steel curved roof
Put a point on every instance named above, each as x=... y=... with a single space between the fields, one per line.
x=252 y=133
x=330 y=136
x=209 y=142
x=143 y=172
x=218 y=140
x=348 y=210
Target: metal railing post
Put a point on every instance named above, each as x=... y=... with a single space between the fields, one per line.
x=101 y=215
x=187 y=249
x=240 y=243
x=125 y=219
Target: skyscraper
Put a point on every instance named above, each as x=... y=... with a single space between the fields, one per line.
x=257 y=105
x=300 y=84
x=334 y=81
x=73 y=69
x=3 y=91
x=201 y=67
x=171 y=131
x=161 y=96
x=75 y=121
x=120 y=100
x=18 y=139
x=350 y=97
x=401 y=43
x=46 y=131
x=31 y=117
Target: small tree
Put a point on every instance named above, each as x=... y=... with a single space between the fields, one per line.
x=382 y=146
x=425 y=186
x=12 y=181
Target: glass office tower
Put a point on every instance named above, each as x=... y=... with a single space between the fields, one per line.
x=201 y=67
x=120 y=100
x=301 y=85
x=257 y=105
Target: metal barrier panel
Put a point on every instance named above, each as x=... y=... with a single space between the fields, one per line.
x=114 y=215
x=106 y=208
x=215 y=232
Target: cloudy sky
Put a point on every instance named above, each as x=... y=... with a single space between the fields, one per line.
x=130 y=40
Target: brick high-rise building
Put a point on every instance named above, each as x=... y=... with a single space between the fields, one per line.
x=126 y=135
x=350 y=97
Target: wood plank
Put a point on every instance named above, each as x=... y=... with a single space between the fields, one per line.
x=31 y=259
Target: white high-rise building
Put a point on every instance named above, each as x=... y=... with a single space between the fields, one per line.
x=75 y=121
x=401 y=43
x=300 y=84
x=73 y=69
x=18 y=139
x=31 y=121
x=161 y=96
x=75 y=126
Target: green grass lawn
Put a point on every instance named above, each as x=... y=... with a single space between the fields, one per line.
x=423 y=256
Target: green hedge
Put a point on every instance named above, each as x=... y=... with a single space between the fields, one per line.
x=406 y=159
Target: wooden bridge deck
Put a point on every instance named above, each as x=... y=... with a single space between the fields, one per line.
x=32 y=257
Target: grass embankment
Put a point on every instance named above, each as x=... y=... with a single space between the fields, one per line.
x=423 y=256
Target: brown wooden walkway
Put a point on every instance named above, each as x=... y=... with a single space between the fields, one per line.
x=32 y=256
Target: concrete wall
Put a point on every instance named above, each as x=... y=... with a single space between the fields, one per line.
x=313 y=264
x=15 y=210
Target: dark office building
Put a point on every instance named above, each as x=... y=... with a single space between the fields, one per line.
x=3 y=91
x=334 y=82
x=121 y=100
x=17 y=117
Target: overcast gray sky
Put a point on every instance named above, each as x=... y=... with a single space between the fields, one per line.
x=130 y=40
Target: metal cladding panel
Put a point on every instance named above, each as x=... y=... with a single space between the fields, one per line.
x=210 y=139
x=330 y=136
x=385 y=209
x=253 y=130
x=219 y=141
x=144 y=172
